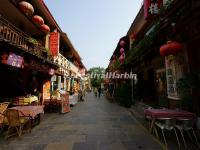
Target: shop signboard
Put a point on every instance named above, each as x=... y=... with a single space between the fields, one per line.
x=151 y=8
x=46 y=90
x=65 y=106
x=171 y=76
x=15 y=60
x=54 y=43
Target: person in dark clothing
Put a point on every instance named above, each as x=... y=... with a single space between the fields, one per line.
x=99 y=91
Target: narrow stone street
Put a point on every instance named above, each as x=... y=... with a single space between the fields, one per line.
x=94 y=124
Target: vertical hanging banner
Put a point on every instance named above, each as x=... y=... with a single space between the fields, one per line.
x=171 y=76
x=151 y=8
x=54 y=43
x=46 y=90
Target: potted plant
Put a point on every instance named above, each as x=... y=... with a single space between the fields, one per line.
x=33 y=41
x=189 y=89
x=184 y=89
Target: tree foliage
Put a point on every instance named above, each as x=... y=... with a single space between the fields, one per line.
x=96 y=74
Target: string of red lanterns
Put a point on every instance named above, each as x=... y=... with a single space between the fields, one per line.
x=28 y=9
x=122 y=56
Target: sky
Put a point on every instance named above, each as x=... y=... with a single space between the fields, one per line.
x=94 y=26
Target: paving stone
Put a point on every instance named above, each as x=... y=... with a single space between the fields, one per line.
x=112 y=146
x=59 y=146
x=85 y=146
x=94 y=124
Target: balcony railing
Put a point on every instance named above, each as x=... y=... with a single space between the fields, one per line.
x=14 y=36
x=66 y=64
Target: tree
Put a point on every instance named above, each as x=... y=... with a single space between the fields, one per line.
x=96 y=75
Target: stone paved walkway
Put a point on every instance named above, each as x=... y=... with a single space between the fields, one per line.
x=94 y=124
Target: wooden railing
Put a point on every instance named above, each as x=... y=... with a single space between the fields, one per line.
x=14 y=36
x=63 y=62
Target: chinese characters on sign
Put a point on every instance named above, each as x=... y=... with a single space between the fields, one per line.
x=151 y=7
x=54 y=43
x=171 y=77
x=15 y=60
x=65 y=103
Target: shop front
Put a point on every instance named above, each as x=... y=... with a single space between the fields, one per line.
x=58 y=99
x=22 y=78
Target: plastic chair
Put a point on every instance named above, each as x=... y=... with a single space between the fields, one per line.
x=3 y=107
x=17 y=120
x=1 y=122
x=166 y=124
x=186 y=124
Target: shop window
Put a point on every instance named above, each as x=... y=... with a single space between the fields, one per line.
x=161 y=87
x=174 y=71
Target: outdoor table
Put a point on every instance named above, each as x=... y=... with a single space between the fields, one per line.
x=167 y=113
x=32 y=111
x=20 y=101
x=30 y=99
x=52 y=105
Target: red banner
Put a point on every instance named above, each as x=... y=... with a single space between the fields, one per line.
x=151 y=8
x=54 y=43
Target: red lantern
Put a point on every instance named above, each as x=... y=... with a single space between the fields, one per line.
x=122 y=43
x=164 y=50
x=121 y=50
x=26 y=7
x=121 y=58
x=171 y=48
x=38 y=20
x=45 y=28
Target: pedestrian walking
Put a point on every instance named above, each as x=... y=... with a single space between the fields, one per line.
x=95 y=91
x=80 y=95
x=99 y=91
